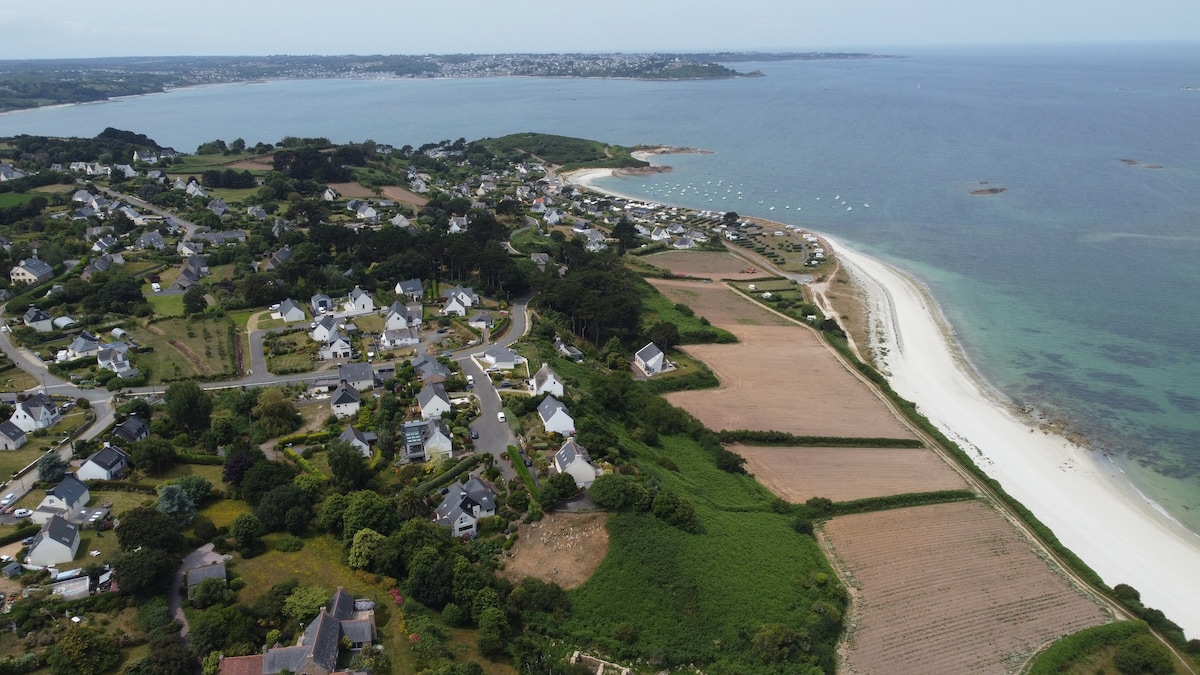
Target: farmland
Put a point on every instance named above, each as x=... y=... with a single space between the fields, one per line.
x=949 y=588
x=844 y=474
x=709 y=264
x=185 y=348
x=717 y=303
x=784 y=379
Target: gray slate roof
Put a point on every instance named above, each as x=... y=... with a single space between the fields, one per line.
x=56 y=529
x=108 y=457
x=214 y=571
x=70 y=490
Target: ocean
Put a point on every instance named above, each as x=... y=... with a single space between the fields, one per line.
x=1069 y=289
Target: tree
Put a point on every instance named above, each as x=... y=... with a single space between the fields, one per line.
x=275 y=414
x=194 y=301
x=210 y=592
x=189 y=407
x=411 y=505
x=272 y=510
x=349 y=470
x=675 y=510
x=333 y=510
x=430 y=579
x=51 y=467
x=372 y=659
x=168 y=656
x=556 y=488
x=149 y=528
x=493 y=630
x=264 y=477
x=153 y=456
x=1143 y=654
x=173 y=501
x=246 y=529
x=366 y=508
x=777 y=642
x=146 y=572
x=83 y=650
x=305 y=602
x=235 y=469
x=664 y=334
x=197 y=488
x=362 y=552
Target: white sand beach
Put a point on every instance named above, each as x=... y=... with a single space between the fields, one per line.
x=1083 y=498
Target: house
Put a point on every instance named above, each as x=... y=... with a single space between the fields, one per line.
x=433 y=401
x=277 y=259
x=553 y=217
x=194 y=268
x=345 y=622
x=257 y=212
x=401 y=222
x=555 y=417
x=572 y=458
x=56 y=543
x=132 y=429
x=145 y=156
x=345 y=402
x=107 y=463
x=65 y=500
x=401 y=315
x=188 y=249
x=359 y=440
x=466 y=296
x=85 y=344
x=482 y=321
x=223 y=237
x=325 y=328
x=36 y=412
x=329 y=195
x=105 y=243
x=193 y=189
x=12 y=437
x=367 y=212
x=424 y=440
x=113 y=357
x=360 y=301
x=338 y=347
x=684 y=243
x=399 y=337
x=464 y=505
x=101 y=263
x=546 y=381
x=291 y=311
x=649 y=359
x=358 y=375
x=31 y=271
x=38 y=320
x=540 y=259
x=454 y=306
x=321 y=303
x=457 y=224
x=410 y=287
x=152 y=239
x=429 y=369
x=203 y=573
x=501 y=358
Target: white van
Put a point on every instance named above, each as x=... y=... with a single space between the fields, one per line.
x=470 y=380
x=157 y=287
x=500 y=416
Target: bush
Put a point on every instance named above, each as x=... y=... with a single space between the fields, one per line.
x=288 y=543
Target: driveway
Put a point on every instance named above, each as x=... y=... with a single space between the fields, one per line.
x=198 y=558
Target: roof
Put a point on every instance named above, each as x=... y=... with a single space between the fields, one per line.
x=549 y=407
x=359 y=630
x=108 y=457
x=57 y=529
x=356 y=372
x=213 y=571
x=569 y=452
x=431 y=391
x=411 y=287
x=10 y=430
x=289 y=305
x=347 y=395
x=352 y=434
x=341 y=605
x=132 y=429
x=34 y=314
x=544 y=375
x=36 y=267
x=427 y=366
x=70 y=489
x=500 y=353
x=242 y=665
x=648 y=352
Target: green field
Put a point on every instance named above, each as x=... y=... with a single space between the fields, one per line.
x=185 y=348
x=290 y=363
x=14 y=198
x=164 y=305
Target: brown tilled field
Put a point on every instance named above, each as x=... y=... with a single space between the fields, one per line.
x=843 y=474
x=780 y=378
x=353 y=190
x=717 y=303
x=710 y=264
x=949 y=588
x=403 y=195
x=564 y=548
x=263 y=163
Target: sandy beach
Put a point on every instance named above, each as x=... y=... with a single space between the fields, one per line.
x=1082 y=497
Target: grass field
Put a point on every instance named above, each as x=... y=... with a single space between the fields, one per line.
x=164 y=305
x=185 y=348
x=14 y=198
x=223 y=511
x=290 y=363
x=15 y=379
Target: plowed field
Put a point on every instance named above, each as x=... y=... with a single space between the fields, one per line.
x=783 y=379
x=710 y=264
x=843 y=474
x=718 y=303
x=949 y=588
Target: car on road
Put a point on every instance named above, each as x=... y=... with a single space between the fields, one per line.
x=8 y=500
x=470 y=380
x=474 y=434
x=27 y=541
x=22 y=513
x=500 y=416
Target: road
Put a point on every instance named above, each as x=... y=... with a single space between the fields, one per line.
x=189 y=227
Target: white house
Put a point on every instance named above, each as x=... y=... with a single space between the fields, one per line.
x=57 y=543
x=399 y=337
x=360 y=301
x=325 y=328
x=321 y=303
x=359 y=440
x=12 y=436
x=433 y=401
x=501 y=358
x=358 y=375
x=291 y=311
x=572 y=458
x=338 y=347
x=425 y=440
x=482 y=321
x=85 y=344
x=345 y=402
x=410 y=287
x=66 y=500
x=402 y=315
x=464 y=505
x=38 y=320
x=546 y=381
x=36 y=412
x=649 y=359
x=555 y=417
x=467 y=297
x=107 y=463
x=454 y=306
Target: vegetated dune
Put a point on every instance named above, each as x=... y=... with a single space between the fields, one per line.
x=718 y=303
x=563 y=548
x=709 y=264
x=780 y=378
x=844 y=474
x=949 y=588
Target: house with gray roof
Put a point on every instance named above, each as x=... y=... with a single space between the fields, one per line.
x=12 y=436
x=358 y=375
x=359 y=440
x=555 y=417
x=107 y=463
x=38 y=320
x=66 y=499
x=410 y=287
x=399 y=337
x=345 y=402
x=430 y=369
x=482 y=321
x=31 y=271
x=464 y=505
x=36 y=412
x=424 y=441
x=321 y=303
x=546 y=381
x=501 y=358
x=360 y=301
x=649 y=359
x=132 y=429
x=325 y=328
x=291 y=311
x=338 y=347
x=433 y=401
x=85 y=344
x=152 y=239
x=401 y=315
x=197 y=575
x=573 y=458
x=277 y=259
x=56 y=543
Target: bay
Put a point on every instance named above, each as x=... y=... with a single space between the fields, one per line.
x=1071 y=290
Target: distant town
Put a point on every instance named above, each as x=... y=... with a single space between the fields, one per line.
x=36 y=83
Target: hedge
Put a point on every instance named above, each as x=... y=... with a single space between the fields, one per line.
x=448 y=476
x=518 y=463
x=304 y=464
x=306 y=439
x=901 y=501
x=784 y=439
x=122 y=486
x=27 y=530
x=1071 y=649
x=193 y=458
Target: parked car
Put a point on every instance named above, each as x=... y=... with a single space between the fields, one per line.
x=22 y=513
x=474 y=434
x=8 y=500
x=27 y=541
x=500 y=416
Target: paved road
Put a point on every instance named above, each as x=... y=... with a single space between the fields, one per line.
x=494 y=436
x=189 y=227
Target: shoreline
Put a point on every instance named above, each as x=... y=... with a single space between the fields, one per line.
x=1081 y=495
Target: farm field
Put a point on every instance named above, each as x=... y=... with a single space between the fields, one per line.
x=352 y=190
x=775 y=368
x=948 y=588
x=404 y=195
x=710 y=264
x=185 y=348
x=844 y=474
x=562 y=548
x=717 y=303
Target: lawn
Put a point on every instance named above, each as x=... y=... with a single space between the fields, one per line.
x=15 y=379
x=221 y=272
x=14 y=460
x=290 y=363
x=14 y=198
x=223 y=511
x=164 y=305
x=212 y=472
x=186 y=348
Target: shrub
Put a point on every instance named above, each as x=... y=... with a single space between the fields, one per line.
x=288 y=543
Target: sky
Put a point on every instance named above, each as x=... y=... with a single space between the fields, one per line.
x=78 y=29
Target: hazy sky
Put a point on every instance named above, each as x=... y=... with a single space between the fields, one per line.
x=73 y=28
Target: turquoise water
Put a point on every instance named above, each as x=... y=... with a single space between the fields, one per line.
x=1072 y=291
